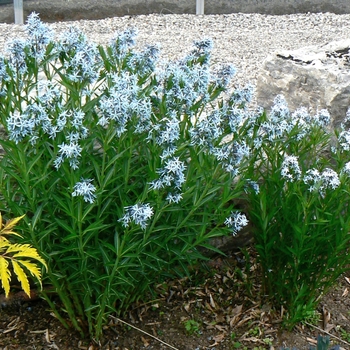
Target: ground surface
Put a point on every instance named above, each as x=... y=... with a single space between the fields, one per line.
x=220 y=306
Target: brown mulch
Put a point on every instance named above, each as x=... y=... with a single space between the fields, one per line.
x=219 y=307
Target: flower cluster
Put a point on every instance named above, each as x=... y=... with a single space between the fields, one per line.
x=171 y=175
x=207 y=130
x=4 y=76
x=183 y=84
x=236 y=222
x=19 y=126
x=138 y=213
x=317 y=181
x=283 y=124
x=290 y=170
x=123 y=42
x=17 y=58
x=79 y=56
x=167 y=131
x=344 y=140
x=39 y=34
x=241 y=97
x=224 y=77
x=250 y=184
x=86 y=189
x=346 y=169
x=71 y=151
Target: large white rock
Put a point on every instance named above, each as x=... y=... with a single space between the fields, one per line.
x=316 y=77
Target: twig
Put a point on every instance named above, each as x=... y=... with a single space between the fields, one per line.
x=331 y=335
x=140 y=330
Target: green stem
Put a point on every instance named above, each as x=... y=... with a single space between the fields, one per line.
x=64 y=297
x=111 y=276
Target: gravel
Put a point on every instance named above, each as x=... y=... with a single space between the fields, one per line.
x=242 y=39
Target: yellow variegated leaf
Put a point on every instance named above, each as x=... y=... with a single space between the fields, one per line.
x=16 y=252
x=10 y=224
x=32 y=268
x=10 y=233
x=22 y=277
x=4 y=240
x=5 y=275
x=4 y=243
x=25 y=251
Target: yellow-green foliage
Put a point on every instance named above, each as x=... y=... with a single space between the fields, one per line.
x=19 y=255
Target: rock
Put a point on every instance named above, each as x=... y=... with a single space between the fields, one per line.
x=232 y=244
x=316 y=77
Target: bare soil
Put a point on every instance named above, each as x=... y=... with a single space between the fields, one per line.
x=219 y=307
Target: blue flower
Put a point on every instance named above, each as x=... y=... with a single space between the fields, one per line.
x=69 y=151
x=236 y=221
x=174 y=197
x=312 y=178
x=184 y=83
x=39 y=36
x=290 y=169
x=252 y=185
x=61 y=120
x=4 y=76
x=143 y=110
x=344 y=140
x=19 y=126
x=328 y=179
x=322 y=118
x=86 y=189
x=208 y=129
x=77 y=119
x=204 y=46
x=122 y=103
x=138 y=213
x=172 y=174
x=123 y=42
x=279 y=110
x=242 y=96
x=167 y=130
x=48 y=93
x=346 y=169
x=202 y=51
x=80 y=57
x=144 y=62
x=225 y=75
x=17 y=56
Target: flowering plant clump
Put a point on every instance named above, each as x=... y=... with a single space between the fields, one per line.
x=125 y=165
x=120 y=162
x=299 y=205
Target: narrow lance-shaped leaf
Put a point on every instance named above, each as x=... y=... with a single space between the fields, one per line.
x=22 y=276
x=5 y=275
